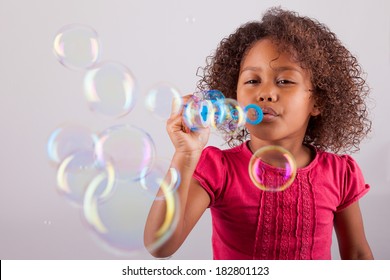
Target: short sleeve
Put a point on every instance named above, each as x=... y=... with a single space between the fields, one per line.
x=354 y=186
x=211 y=172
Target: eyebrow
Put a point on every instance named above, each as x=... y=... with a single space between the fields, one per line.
x=276 y=69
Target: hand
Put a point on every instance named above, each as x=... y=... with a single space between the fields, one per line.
x=184 y=139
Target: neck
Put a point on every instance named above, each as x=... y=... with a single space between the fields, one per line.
x=301 y=153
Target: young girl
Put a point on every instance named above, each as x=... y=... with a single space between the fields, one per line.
x=312 y=94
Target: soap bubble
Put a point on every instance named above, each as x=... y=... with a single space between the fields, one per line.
x=127 y=148
x=229 y=116
x=272 y=168
x=69 y=139
x=198 y=113
x=110 y=89
x=254 y=114
x=162 y=100
x=213 y=95
x=77 y=46
x=77 y=171
x=118 y=223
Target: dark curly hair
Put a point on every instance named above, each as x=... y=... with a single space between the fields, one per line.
x=339 y=88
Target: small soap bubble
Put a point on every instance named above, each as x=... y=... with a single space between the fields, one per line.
x=253 y=113
x=69 y=139
x=206 y=112
x=110 y=89
x=77 y=46
x=198 y=113
x=229 y=116
x=162 y=100
x=272 y=168
x=214 y=95
x=127 y=148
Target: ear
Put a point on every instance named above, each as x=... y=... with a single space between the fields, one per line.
x=315 y=111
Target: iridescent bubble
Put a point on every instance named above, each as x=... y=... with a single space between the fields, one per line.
x=214 y=95
x=160 y=173
x=69 y=139
x=272 y=168
x=119 y=222
x=198 y=113
x=228 y=115
x=77 y=171
x=162 y=100
x=110 y=89
x=128 y=148
x=204 y=109
x=76 y=46
x=253 y=113
x=206 y=112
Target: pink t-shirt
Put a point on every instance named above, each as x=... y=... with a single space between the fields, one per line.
x=296 y=223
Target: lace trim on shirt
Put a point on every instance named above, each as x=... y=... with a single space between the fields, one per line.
x=286 y=222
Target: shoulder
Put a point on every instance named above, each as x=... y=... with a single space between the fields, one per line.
x=212 y=170
x=211 y=160
x=212 y=152
x=336 y=162
x=216 y=165
x=335 y=168
x=344 y=174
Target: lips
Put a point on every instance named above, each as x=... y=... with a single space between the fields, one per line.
x=269 y=111
x=269 y=114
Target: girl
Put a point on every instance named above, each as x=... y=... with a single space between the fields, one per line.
x=312 y=94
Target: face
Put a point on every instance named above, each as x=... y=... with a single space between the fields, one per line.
x=273 y=81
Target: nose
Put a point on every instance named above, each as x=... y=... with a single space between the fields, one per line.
x=267 y=92
x=267 y=96
x=269 y=99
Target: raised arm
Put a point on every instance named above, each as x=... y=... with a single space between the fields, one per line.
x=193 y=199
x=349 y=229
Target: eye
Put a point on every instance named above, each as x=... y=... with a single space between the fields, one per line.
x=284 y=82
x=252 y=82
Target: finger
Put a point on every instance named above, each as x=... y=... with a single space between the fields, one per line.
x=176 y=124
x=179 y=114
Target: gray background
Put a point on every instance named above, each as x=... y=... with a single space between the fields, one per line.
x=159 y=41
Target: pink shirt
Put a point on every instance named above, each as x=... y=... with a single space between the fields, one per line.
x=297 y=223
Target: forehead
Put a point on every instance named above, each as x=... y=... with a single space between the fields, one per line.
x=266 y=55
x=268 y=51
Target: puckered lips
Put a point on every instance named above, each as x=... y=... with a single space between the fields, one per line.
x=269 y=114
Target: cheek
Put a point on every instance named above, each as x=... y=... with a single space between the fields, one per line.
x=243 y=101
x=299 y=106
x=240 y=97
x=245 y=97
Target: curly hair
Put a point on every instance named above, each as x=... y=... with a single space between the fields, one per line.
x=339 y=88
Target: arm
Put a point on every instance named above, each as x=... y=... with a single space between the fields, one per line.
x=349 y=229
x=193 y=199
